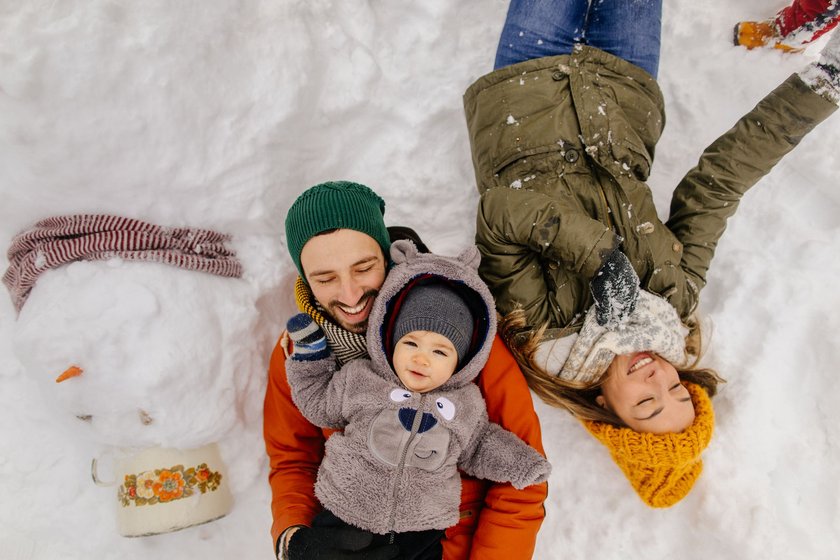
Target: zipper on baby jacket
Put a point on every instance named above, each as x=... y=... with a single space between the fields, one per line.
x=415 y=427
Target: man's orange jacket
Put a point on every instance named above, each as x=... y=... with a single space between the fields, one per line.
x=497 y=521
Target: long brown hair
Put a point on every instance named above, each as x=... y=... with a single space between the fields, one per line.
x=580 y=399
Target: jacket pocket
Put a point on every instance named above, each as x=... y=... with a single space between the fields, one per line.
x=525 y=116
x=628 y=151
x=548 y=173
x=631 y=157
x=630 y=115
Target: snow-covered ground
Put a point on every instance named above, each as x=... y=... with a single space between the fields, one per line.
x=217 y=114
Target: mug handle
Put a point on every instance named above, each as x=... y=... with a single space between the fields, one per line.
x=94 y=474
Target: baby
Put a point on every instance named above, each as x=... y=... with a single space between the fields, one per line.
x=411 y=415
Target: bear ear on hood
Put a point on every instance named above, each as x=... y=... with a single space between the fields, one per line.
x=471 y=257
x=403 y=251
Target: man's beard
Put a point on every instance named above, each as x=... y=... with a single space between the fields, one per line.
x=357 y=328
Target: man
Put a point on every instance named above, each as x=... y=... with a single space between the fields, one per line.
x=337 y=238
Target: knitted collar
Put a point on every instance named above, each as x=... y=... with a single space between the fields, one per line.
x=653 y=326
x=662 y=468
x=345 y=345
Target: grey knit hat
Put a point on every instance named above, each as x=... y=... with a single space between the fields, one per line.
x=436 y=308
x=335 y=205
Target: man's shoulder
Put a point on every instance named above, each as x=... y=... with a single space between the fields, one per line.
x=397 y=233
x=500 y=365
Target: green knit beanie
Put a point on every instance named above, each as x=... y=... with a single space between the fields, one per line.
x=335 y=205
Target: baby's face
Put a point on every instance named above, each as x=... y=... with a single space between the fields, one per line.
x=424 y=360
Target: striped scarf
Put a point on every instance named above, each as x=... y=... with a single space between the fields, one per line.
x=59 y=240
x=345 y=345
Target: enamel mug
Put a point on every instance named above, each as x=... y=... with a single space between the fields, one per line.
x=161 y=490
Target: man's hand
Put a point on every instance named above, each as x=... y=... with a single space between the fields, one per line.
x=337 y=543
x=310 y=342
x=615 y=289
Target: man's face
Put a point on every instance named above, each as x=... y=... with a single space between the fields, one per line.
x=345 y=270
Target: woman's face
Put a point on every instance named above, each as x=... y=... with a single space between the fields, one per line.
x=646 y=393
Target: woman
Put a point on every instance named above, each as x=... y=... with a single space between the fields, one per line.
x=594 y=287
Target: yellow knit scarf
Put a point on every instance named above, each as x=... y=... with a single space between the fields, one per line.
x=303 y=298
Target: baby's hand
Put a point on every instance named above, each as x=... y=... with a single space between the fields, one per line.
x=310 y=342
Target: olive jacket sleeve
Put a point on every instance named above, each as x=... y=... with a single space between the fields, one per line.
x=710 y=193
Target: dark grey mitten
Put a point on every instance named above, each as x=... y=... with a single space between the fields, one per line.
x=615 y=289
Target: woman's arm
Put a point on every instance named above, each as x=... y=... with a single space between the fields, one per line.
x=519 y=232
x=710 y=193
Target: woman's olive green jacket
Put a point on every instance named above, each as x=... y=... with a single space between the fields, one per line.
x=562 y=147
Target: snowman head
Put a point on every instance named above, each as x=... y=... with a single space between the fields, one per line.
x=151 y=354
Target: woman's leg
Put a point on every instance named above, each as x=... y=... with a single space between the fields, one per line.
x=629 y=29
x=537 y=28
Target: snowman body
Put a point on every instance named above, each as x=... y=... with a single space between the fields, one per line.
x=162 y=356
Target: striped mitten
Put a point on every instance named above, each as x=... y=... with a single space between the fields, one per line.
x=309 y=339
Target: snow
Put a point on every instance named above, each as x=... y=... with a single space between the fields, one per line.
x=217 y=114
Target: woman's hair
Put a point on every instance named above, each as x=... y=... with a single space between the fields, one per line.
x=577 y=398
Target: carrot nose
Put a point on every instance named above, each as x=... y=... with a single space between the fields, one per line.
x=72 y=371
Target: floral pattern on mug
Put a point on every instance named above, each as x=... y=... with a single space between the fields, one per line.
x=166 y=485
x=143 y=484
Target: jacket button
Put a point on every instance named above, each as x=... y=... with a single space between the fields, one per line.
x=677 y=247
x=571 y=155
x=557 y=75
x=552 y=265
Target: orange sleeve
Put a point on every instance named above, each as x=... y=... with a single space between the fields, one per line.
x=295 y=448
x=506 y=525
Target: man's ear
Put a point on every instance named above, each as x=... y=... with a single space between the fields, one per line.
x=602 y=402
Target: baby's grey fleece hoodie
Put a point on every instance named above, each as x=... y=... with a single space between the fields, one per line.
x=395 y=465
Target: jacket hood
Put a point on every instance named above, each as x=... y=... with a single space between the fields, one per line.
x=412 y=268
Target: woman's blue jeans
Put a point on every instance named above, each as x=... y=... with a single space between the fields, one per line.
x=629 y=29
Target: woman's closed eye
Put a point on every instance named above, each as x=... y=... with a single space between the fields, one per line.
x=675 y=388
x=679 y=389
x=645 y=400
